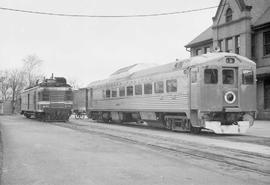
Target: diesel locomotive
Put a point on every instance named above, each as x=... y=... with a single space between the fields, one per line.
x=214 y=91
x=50 y=100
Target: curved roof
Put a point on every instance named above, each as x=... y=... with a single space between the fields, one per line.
x=173 y=66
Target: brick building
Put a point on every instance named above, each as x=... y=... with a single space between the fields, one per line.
x=242 y=27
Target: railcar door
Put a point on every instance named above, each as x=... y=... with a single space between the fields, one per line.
x=211 y=93
x=230 y=86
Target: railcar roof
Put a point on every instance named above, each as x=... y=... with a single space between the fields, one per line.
x=209 y=57
x=173 y=66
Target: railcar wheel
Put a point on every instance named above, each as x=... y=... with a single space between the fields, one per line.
x=82 y=116
x=77 y=116
x=27 y=116
x=195 y=130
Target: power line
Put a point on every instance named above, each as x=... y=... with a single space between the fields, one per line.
x=106 y=16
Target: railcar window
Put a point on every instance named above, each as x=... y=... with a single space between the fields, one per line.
x=171 y=85
x=129 y=90
x=193 y=76
x=210 y=76
x=122 y=91
x=108 y=93
x=114 y=93
x=68 y=95
x=228 y=76
x=39 y=96
x=138 y=89
x=148 y=88
x=159 y=87
x=247 y=77
x=45 y=95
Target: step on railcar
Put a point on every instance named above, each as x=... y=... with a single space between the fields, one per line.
x=50 y=100
x=214 y=91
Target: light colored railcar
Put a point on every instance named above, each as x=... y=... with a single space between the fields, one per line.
x=215 y=91
x=50 y=100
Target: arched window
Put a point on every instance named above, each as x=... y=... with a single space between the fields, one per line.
x=229 y=15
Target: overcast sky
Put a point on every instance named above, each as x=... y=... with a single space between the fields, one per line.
x=89 y=49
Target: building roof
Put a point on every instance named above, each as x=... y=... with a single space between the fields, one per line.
x=206 y=35
x=258 y=8
x=260 y=13
x=265 y=18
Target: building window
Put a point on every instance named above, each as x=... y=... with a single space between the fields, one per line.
x=210 y=76
x=171 y=85
x=138 y=89
x=220 y=45
x=237 y=44
x=266 y=43
x=253 y=40
x=266 y=94
x=148 y=88
x=206 y=49
x=122 y=91
x=198 y=52
x=159 y=87
x=130 y=91
x=229 y=45
x=229 y=15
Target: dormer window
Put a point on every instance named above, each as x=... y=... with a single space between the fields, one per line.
x=229 y=15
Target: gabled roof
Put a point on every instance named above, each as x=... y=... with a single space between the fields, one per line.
x=205 y=36
x=259 y=11
x=258 y=8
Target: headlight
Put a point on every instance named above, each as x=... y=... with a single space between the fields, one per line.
x=44 y=106
x=230 y=97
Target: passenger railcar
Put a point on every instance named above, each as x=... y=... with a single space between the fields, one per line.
x=50 y=100
x=215 y=91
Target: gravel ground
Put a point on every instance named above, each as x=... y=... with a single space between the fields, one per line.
x=40 y=153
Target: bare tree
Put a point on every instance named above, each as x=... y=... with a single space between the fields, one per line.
x=4 y=84
x=73 y=83
x=17 y=84
x=31 y=68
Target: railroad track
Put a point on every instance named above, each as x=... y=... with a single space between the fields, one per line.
x=241 y=161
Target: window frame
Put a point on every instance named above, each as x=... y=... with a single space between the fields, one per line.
x=233 y=73
x=194 y=73
x=266 y=93
x=207 y=48
x=266 y=45
x=122 y=89
x=237 y=44
x=114 y=90
x=144 y=88
x=106 y=95
x=217 y=79
x=220 y=44
x=198 y=51
x=167 y=91
x=228 y=15
x=243 y=79
x=141 y=89
x=128 y=92
x=155 y=89
x=227 y=44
